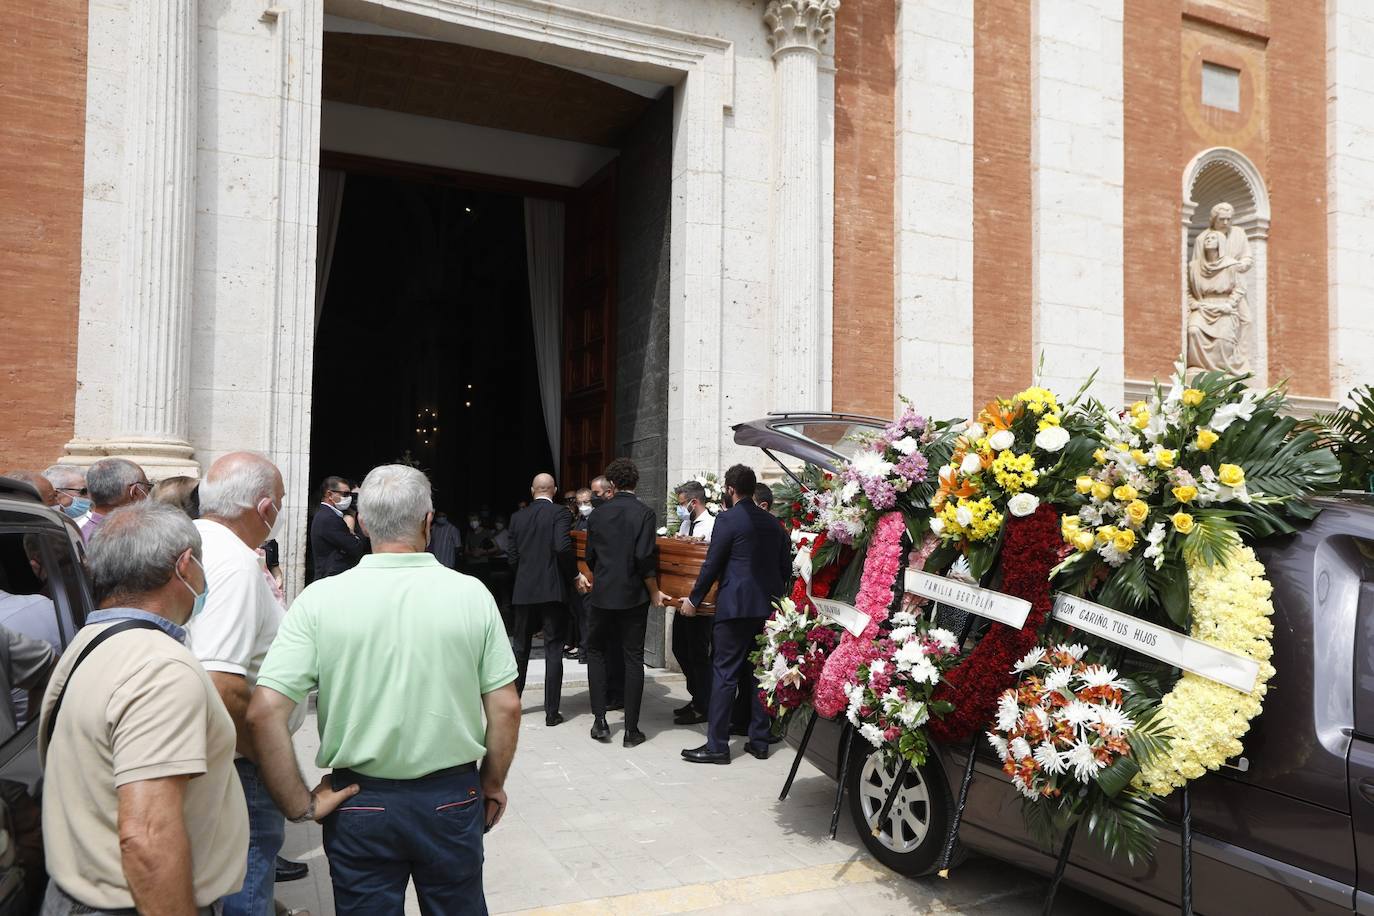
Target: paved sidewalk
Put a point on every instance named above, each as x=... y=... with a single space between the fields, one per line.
x=595 y=828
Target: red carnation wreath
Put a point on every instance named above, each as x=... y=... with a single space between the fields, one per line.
x=1030 y=549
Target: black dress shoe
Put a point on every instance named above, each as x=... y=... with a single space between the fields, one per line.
x=683 y=710
x=761 y=752
x=690 y=717
x=601 y=731
x=634 y=737
x=703 y=755
x=291 y=871
x=555 y=719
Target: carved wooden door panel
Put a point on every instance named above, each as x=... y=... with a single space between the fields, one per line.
x=589 y=317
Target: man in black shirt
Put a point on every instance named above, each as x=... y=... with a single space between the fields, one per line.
x=622 y=552
x=335 y=545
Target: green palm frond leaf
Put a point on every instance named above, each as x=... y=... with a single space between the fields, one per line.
x=1349 y=432
x=1215 y=533
x=1282 y=463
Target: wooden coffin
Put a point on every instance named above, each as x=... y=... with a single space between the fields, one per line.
x=679 y=562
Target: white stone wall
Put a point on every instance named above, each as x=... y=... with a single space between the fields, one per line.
x=1076 y=194
x=1350 y=192
x=934 y=205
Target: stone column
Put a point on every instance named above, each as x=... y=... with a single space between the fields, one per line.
x=158 y=243
x=797 y=30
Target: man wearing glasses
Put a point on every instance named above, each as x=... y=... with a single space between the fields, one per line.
x=335 y=544
x=111 y=483
x=70 y=483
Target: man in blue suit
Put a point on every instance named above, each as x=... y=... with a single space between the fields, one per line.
x=751 y=559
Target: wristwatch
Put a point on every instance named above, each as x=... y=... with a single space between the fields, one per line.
x=309 y=813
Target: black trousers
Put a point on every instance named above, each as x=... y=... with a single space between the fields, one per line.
x=529 y=619
x=733 y=641
x=692 y=649
x=605 y=624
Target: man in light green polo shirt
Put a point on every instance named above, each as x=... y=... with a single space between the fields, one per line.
x=408 y=656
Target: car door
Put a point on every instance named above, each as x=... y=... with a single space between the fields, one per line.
x=1361 y=766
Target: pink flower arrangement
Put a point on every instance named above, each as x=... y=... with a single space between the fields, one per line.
x=875 y=596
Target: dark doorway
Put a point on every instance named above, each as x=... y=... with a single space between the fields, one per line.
x=424 y=352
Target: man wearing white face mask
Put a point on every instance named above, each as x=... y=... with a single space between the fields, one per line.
x=240 y=505
x=335 y=544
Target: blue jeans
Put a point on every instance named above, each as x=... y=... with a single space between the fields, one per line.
x=266 y=832
x=429 y=829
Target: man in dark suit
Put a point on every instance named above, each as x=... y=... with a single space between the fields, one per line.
x=335 y=544
x=541 y=554
x=751 y=559
x=622 y=552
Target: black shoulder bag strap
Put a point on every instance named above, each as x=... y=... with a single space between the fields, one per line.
x=90 y=647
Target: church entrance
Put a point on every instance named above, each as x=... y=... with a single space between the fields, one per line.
x=493 y=269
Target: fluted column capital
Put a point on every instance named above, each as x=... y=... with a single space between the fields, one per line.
x=799 y=25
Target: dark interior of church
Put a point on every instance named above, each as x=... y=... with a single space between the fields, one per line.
x=424 y=352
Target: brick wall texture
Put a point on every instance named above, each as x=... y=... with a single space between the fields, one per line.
x=42 y=131
x=865 y=216
x=1002 y=361
x=1298 y=337
x=1153 y=263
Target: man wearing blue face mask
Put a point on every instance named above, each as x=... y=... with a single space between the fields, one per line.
x=69 y=481
x=240 y=508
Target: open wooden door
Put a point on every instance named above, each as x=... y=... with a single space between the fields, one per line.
x=589 y=330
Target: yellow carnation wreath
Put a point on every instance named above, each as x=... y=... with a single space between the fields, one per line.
x=1231 y=610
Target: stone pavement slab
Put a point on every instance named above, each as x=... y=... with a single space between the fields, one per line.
x=596 y=828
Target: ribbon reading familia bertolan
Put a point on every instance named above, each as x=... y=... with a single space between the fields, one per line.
x=998 y=606
x=1164 y=645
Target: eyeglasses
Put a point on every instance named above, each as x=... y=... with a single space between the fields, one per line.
x=342 y=492
x=143 y=487
x=72 y=491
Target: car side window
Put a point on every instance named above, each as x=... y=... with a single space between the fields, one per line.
x=32 y=630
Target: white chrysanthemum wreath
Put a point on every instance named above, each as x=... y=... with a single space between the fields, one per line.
x=1231 y=609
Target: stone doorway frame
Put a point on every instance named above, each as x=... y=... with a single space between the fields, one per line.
x=701 y=69
x=1222 y=173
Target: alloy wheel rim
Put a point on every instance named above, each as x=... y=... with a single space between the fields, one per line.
x=909 y=820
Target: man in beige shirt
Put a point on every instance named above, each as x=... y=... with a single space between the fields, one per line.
x=141 y=806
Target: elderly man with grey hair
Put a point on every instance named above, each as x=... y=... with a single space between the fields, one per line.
x=70 y=483
x=409 y=657
x=111 y=483
x=141 y=806
x=240 y=505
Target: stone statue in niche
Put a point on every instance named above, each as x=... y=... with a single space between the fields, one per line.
x=1218 y=313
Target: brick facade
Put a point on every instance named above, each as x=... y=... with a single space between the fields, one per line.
x=1152 y=265
x=1002 y=317
x=42 y=134
x=1298 y=313
x=865 y=85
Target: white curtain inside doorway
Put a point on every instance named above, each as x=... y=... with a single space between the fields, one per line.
x=331 y=204
x=544 y=261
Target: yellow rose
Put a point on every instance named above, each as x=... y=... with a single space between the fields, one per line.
x=1084 y=484
x=1183 y=522
x=1206 y=439
x=1185 y=494
x=1070 y=523
x=1106 y=533
x=1124 y=540
x=1141 y=420
x=1193 y=397
x=1231 y=475
x=1139 y=457
x=1137 y=512
x=1125 y=493
x=1083 y=540
x=1165 y=457
x=1100 y=456
x=1102 y=491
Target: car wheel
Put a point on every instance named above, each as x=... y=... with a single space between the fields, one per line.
x=910 y=840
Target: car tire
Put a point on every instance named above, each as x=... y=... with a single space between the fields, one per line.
x=913 y=835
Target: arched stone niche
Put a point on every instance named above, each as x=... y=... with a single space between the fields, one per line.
x=1223 y=174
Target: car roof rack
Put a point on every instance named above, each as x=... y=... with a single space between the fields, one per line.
x=11 y=487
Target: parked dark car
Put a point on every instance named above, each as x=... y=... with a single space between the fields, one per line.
x=1287 y=828
x=44 y=595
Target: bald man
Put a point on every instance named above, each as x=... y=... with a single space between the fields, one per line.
x=46 y=491
x=541 y=553
x=240 y=506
